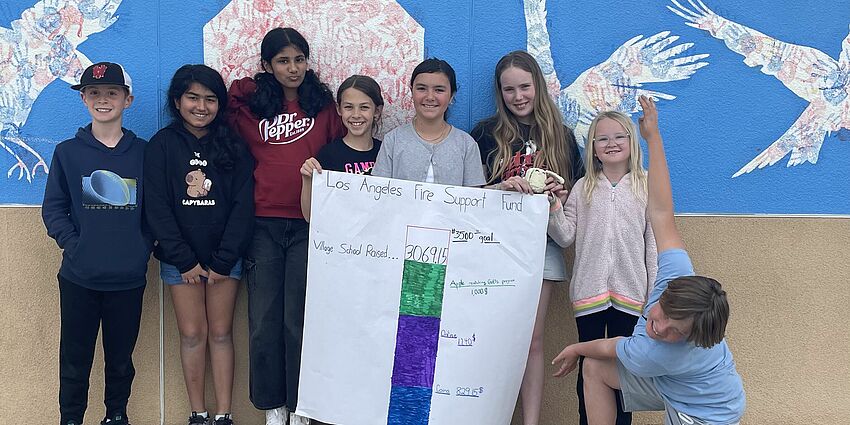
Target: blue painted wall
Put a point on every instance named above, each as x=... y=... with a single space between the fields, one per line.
x=723 y=116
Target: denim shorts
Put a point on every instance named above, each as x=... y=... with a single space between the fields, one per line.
x=171 y=276
x=554 y=266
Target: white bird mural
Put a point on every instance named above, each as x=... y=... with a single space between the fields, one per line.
x=808 y=72
x=616 y=83
x=39 y=48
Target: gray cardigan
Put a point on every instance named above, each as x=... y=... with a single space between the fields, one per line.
x=404 y=155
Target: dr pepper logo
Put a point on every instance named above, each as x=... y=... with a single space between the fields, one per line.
x=98 y=71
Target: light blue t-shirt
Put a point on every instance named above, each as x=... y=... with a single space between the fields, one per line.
x=701 y=382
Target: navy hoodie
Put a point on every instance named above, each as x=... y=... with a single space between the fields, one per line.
x=93 y=209
x=198 y=213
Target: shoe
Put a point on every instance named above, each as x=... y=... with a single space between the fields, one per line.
x=117 y=419
x=223 y=421
x=276 y=416
x=298 y=420
x=197 y=419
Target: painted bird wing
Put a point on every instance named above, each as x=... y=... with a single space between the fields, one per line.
x=538 y=43
x=804 y=70
x=803 y=140
x=844 y=57
x=617 y=82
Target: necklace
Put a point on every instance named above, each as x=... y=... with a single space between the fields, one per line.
x=439 y=136
x=529 y=145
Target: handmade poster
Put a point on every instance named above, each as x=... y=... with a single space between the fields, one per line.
x=421 y=300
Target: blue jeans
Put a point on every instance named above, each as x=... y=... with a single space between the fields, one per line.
x=276 y=277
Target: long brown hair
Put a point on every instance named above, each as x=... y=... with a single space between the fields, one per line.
x=547 y=130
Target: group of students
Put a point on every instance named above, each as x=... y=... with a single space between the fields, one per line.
x=225 y=190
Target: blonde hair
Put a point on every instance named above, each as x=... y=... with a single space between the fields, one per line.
x=548 y=128
x=593 y=167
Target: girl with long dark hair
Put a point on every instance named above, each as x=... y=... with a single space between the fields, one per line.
x=285 y=114
x=199 y=205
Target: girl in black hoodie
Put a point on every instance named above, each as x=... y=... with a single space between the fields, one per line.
x=199 y=203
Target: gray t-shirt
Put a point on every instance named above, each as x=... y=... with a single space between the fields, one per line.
x=455 y=160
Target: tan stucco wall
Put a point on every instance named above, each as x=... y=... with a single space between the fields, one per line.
x=787 y=280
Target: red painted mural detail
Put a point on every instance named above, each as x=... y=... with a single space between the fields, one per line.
x=375 y=38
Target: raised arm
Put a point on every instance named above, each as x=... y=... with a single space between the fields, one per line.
x=651 y=257
x=660 y=196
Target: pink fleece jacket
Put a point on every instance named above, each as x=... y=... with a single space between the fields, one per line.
x=616 y=259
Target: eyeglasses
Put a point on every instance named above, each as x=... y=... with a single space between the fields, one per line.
x=618 y=139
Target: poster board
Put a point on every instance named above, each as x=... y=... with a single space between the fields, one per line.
x=421 y=300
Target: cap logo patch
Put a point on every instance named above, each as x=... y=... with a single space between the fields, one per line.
x=98 y=71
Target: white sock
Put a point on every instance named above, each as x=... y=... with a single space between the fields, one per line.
x=217 y=417
x=203 y=414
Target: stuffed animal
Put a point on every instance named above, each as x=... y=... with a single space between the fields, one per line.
x=536 y=177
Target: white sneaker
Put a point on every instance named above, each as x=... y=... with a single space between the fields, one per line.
x=298 y=420
x=276 y=416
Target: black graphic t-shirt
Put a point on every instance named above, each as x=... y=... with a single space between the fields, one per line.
x=337 y=156
x=524 y=150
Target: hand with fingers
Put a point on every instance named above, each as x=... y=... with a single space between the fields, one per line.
x=556 y=189
x=516 y=184
x=566 y=360
x=194 y=275
x=649 y=121
x=214 y=277
x=309 y=165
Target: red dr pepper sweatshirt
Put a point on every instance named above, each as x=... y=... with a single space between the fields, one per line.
x=280 y=146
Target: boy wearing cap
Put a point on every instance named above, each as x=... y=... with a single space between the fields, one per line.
x=92 y=208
